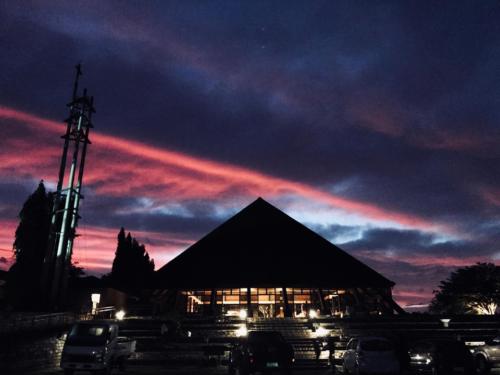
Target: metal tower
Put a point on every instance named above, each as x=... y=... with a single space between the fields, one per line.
x=66 y=202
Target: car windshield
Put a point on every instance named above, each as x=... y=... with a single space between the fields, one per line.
x=88 y=335
x=264 y=337
x=375 y=345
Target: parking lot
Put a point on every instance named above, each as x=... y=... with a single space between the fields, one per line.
x=220 y=370
x=150 y=370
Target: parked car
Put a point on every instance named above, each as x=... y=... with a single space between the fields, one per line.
x=440 y=357
x=488 y=355
x=261 y=351
x=370 y=355
x=95 y=346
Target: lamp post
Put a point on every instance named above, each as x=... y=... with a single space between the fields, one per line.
x=446 y=322
x=96 y=298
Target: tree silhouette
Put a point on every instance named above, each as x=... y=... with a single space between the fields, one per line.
x=469 y=290
x=29 y=248
x=30 y=245
x=132 y=268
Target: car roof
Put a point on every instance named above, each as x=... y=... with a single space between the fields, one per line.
x=96 y=322
x=369 y=338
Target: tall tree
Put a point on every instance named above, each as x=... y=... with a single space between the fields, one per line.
x=29 y=248
x=469 y=290
x=132 y=268
x=30 y=245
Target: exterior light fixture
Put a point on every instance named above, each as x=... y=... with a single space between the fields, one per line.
x=313 y=314
x=446 y=322
x=242 y=331
x=120 y=314
x=95 y=298
x=243 y=314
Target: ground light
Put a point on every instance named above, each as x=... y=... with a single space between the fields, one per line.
x=321 y=332
x=242 y=331
x=120 y=314
x=243 y=314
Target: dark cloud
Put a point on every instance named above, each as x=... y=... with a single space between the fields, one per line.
x=12 y=197
x=191 y=220
x=334 y=231
x=411 y=242
x=393 y=104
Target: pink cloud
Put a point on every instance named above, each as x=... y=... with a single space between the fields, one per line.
x=406 y=297
x=382 y=116
x=95 y=248
x=491 y=196
x=379 y=117
x=29 y=148
x=419 y=259
x=7 y=231
x=159 y=173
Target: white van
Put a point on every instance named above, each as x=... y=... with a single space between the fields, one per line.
x=95 y=346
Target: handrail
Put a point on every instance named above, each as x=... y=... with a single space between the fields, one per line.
x=105 y=309
x=35 y=321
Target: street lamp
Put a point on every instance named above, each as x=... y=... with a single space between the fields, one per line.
x=95 y=298
x=446 y=322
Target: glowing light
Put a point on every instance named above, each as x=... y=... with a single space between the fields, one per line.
x=95 y=297
x=446 y=322
x=243 y=314
x=321 y=332
x=242 y=331
x=489 y=309
x=120 y=314
x=313 y=314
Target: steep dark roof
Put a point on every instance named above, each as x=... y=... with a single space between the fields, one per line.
x=262 y=246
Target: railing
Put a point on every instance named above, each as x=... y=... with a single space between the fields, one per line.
x=106 y=312
x=36 y=322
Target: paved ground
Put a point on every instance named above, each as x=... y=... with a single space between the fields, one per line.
x=150 y=370
x=221 y=370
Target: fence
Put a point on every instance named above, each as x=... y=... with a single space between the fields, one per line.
x=36 y=322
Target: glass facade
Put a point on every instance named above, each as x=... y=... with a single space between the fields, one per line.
x=267 y=302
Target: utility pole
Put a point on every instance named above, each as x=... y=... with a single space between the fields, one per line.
x=66 y=201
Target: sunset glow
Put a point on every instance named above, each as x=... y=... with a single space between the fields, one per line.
x=383 y=138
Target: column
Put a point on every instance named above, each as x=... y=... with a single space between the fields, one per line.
x=249 y=303
x=288 y=311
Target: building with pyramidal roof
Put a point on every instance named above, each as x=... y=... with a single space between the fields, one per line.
x=263 y=263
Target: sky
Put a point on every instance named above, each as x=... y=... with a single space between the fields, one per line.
x=375 y=124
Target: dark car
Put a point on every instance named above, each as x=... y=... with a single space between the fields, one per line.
x=440 y=357
x=261 y=351
x=488 y=355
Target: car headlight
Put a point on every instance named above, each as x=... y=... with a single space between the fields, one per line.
x=421 y=358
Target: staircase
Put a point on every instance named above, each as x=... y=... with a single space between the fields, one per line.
x=300 y=334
